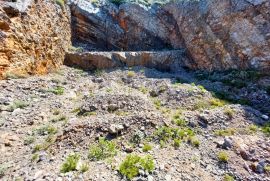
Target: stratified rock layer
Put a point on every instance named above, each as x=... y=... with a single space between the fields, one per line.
x=34 y=36
x=218 y=34
x=161 y=60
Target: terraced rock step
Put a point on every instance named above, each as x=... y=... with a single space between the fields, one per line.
x=171 y=60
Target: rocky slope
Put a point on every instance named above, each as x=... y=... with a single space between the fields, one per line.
x=43 y=119
x=34 y=36
x=218 y=34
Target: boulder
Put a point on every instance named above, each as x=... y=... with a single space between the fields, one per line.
x=34 y=36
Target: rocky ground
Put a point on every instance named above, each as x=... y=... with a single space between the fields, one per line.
x=196 y=126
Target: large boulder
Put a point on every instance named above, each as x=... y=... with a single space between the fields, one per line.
x=218 y=34
x=34 y=35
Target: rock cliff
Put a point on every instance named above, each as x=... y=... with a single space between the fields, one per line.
x=218 y=34
x=34 y=36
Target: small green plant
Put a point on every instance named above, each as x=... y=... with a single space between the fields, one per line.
x=217 y=102
x=99 y=72
x=225 y=132
x=71 y=163
x=18 y=104
x=144 y=90
x=29 y=140
x=252 y=129
x=61 y=3
x=228 y=177
x=200 y=105
x=266 y=129
x=267 y=168
x=223 y=157
x=131 y=74
x=229 y=112
x=202 y=88
x=146 y=147
x=37 y=148
x=59 y=119
x=56 y=112
x=57 y=90
x=157 y=103
x=194 y=141
x=84 y=168
x=46 y=129
x=35 y=157
x=176 y=143
x=102 y=150
x=3 y=169
x=132 y=163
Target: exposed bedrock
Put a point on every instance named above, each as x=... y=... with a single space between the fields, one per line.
x=34 y=36
x=217 y=34
x=161 y=60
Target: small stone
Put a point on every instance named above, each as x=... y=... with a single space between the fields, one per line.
x=265 y=117
x=114 y=129
x=168 y=177
x=150 y=178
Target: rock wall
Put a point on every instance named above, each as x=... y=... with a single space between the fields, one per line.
x=104 y=26
x=218 y=34
x=161 y=60
x=34 y=35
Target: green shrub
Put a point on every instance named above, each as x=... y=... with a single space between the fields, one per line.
x=18 y=104
x=47 y=129
x=132 y=163
x=228 y=177
x=166 y=134
x=84 y=168
x=29 y=140
x=60 y=3
x=194 y=141
x=223 y=157
x=225 y=132
x=146 y=147
x=266 y=129
x=71 y=163
x=176 y=143
x=229 y=112
x=102 y=150
x=57 y=91
x=131 y=74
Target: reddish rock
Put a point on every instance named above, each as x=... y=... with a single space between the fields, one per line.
x=34 y=36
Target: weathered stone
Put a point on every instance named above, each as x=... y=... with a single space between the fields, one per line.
x=218 y=34
x=162 y=60
x=34 y=36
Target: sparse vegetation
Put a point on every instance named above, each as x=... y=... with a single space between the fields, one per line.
x=57 y=90
x=84 y=168
x=132 y=163
x=71 y=163
x=223 y=157
x=46 y=129
x=29 y=140
x=18 y=104
x=266 y=129
x=228 y=177
x=102 y=150
x=229 y=112
x=131 y=74
x=225 y=132
x=146 y=147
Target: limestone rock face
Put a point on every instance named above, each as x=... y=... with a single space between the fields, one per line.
x=104 y=26
x=223 y=34
x=161 y=60
x=34 y=36
x=218 y=34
